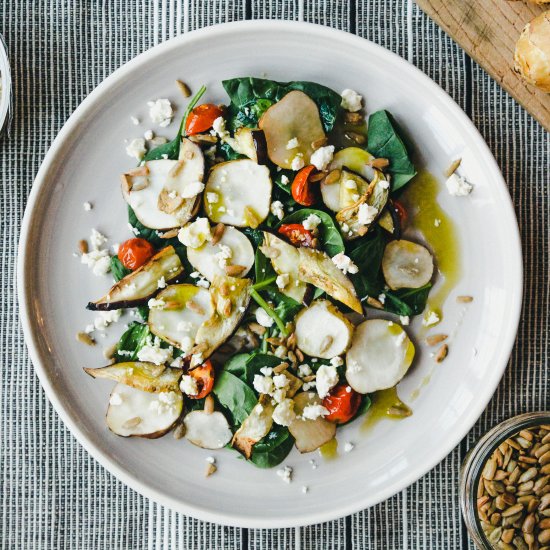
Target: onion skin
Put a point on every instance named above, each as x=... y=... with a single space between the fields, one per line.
x=532 y=55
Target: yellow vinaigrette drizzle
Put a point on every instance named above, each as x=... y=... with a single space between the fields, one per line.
x=385 y=404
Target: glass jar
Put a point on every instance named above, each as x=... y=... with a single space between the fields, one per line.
x=470 y=471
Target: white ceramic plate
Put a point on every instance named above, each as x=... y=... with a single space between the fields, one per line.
x=83 y=165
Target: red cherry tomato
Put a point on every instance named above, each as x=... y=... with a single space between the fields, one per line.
x=298 y=235
x=342 y=404
x=302 y=189
x=135 y=252
x=204 y=376
x=201 y=118
x=401 y=211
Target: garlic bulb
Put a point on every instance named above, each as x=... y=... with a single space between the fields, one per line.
x=532 y=56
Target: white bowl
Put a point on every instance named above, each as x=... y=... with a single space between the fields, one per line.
x=83 y=165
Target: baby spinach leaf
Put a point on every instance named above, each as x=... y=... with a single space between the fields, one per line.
x=285 y=307
x=256 y=362
x=262 y=267
x=227 y=152
x=407 y=301
x=118 y=270
x=236 y=396
x=329 y=237
x=255 y=236
x=248 y=95
x=237 y=365
x=144 y=232
x=131 y=342
x=273 y=448
x=384 y=142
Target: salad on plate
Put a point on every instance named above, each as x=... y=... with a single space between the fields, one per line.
x=268 y=240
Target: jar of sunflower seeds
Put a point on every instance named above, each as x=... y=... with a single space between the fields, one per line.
x=505 y=485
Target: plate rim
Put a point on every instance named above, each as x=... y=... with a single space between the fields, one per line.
x=231 y=518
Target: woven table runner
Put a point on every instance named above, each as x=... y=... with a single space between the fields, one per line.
x=52 y=493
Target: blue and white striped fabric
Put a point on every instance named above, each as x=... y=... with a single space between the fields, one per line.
x=52 y=493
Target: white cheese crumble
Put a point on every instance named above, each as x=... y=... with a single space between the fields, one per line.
x=327 y=378
x=282 y=280
x=263 y=384
x=115 y=399
x=285 y=474
x=263 y=318
x=431 y=318
x=437 y=222
x=188 y=385
x=348 y=447
x=87 y=206
x=351 y=100
x=366 y=214
x=384 y=184
x=192 y=189
x=277 y=209
x=135 y=120
x=224 y=255
x=311 y=222
x=313 y=412
x=161 y=112
x=212 y=197
x=304 y=370
x=284 y=180
x=155 y=303
x=195 y=234
x=97 y=240
x=458 y=186
x=322 y=157
x=344 y=263
x=105 y=318
x=292 y=143
x=382 y=298
x=350 y=184
x=148 y=135
x=218 y=127
x=210 y=460
x=297 y=162
x=153 y=353
x=136 y=148
x=280 y=381
x=284 y=412
x=98 y=261
x=405 y=319
x=161 y=283
x=336 y=361
x=266 y=371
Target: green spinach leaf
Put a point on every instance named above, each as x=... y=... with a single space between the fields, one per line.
x=237 y=365
x=118 y=270
x=273 y=448
x=329 y=236
x=384 y=142
x=263 y=269
x=285 y=307
x=131 y=342
x=256 y=362
x=236 y=396
x=407 y=301
x=248 y=95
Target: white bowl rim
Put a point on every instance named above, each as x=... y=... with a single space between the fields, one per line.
x=233 y=518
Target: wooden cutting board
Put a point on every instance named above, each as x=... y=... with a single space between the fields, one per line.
x=488 y=30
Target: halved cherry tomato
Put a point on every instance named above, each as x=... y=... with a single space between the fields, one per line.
x=301 y=189
x=342 y=403
x=135 y=252
x=401 y=211
x=298 y=235
x=201 y=118
x=204 y=376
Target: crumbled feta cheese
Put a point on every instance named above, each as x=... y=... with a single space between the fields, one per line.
x=188 y=385
x=282 y=280
x=97 y=240
x=135 y=120
x=292 y=144
x=309 y=385
x=136 y=148
x=115 y=399
x=98 y=261
x=186 y=344
x=350 y=184
x=322 y=157
x=305 y=489
x=344 y=263
x=133 y=229
x=177 y=362
x=297 y=162
x=153 y=303
x=405 y=319
x=384 y=184
x=277 y=209
x=263 y=384
x=87 y=206
x=161 y=283
x=105 y=318
x=210 y=460
x=284 y=180
x=195 y=234
x=437 y=222
x=366 y=214
x=430 y=319
x=192 y=189
x=218 y=127
x=153 y=353
x=336 y=361
x=284 y=412
x=348 y=447
x=203 y=283
x=263 y=318
x=313 y=412
x=327 y=378
x=280 y=381
x=458 y=186
x=285 y=474
x=148 y=135
x=382 y=299
x=212 y=197
x=161 y=112
x=311 y=222
x=224 y=255
x=304 y=370
x=351 y=100
x=266 y=371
